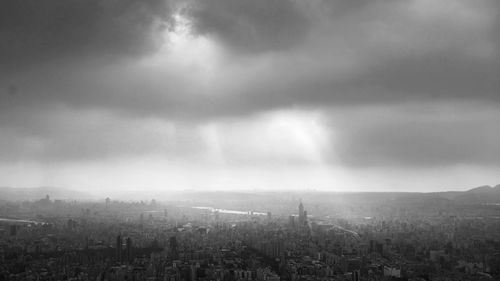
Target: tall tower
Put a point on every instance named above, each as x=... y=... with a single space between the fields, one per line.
x=129 y=249
x=301 y=213
x=173 y=248
x=119 y=253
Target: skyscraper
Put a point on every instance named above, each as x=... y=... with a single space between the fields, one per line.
x=129 y=249
x=173 y=247
x=301 y=213
x=119 y=253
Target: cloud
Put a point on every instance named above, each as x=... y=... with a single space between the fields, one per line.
x=401 y=83
x=320 y=54
x=436 y=135
x=69 y=136
x=35 y=32
x=250 y=26
x=66 y=135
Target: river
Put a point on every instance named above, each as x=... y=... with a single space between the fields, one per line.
x=225 y=211
x=20 y=221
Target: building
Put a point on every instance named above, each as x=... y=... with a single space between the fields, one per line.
x=302 y=216
x=119 y=253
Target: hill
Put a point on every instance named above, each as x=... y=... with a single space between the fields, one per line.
x=35 y=193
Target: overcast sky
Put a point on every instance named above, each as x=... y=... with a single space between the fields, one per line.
x=107 y=95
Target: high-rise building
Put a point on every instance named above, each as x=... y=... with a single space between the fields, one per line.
x=119 y=253
x=13 y=230
x=129 y=249
x=356 y=275
x=301 y=213
x=193 y=276
x=173 y=248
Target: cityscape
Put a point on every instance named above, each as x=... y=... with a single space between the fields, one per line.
x=261 y=236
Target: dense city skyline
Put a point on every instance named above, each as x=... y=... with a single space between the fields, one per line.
x=222 y=94
x=448 y=236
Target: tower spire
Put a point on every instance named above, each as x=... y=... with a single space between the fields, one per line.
x=301 y=213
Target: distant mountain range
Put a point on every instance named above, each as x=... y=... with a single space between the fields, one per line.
x=36 y=193
x=483 y=194
x=479 y=195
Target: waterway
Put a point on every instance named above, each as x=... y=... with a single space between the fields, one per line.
x=234 y=212
x=20 y=221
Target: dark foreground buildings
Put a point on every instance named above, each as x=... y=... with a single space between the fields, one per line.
x=113 y=241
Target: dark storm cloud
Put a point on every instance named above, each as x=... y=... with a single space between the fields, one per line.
x=276 y=54
x=445 y=74
x=432 y=76
x=67 y=135
x=465 y=135
x=33 y=32
x=437 y=61
x=435 y=76
x=250 y=26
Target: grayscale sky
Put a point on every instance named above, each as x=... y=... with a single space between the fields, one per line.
x=236 y=94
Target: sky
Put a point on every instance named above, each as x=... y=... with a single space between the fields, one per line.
x=342 y=95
